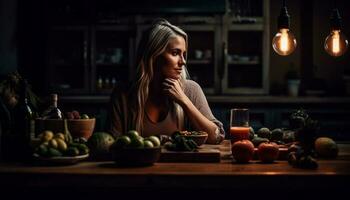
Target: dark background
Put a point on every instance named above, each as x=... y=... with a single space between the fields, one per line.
x=23 y=47
x=24 y=24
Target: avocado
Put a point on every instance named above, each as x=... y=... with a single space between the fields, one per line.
x=264 y=133
x=277 y=134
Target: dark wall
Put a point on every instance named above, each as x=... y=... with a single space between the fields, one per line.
x=310 y=25
x=8 y=40
x=22 y=42
x=31 y=42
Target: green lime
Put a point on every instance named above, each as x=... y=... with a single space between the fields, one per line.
x=132 y=134
x=42 y=150
x=148 y=144
x=85 y=116
x=83 y=149
x=155 y=140
x=136 y=142
x=72 y=151
x=122 y=142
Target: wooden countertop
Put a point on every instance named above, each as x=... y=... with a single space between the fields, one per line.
x=229 y=99
x=223 y=175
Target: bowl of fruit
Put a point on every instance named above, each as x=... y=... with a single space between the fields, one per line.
x=80 y=125
x=131 y=149
x=199 y=137
x=58 y=148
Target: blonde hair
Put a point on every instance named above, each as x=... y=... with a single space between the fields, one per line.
x=153 y=43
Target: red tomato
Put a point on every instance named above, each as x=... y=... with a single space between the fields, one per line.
x=268 y=152
x=243 y=151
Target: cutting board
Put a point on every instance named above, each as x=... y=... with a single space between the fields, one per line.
x=204 y=154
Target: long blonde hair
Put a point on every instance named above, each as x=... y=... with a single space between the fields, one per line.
x=153 y=43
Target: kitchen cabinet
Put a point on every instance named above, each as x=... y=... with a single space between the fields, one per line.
x=228 y=54
x=112 y=56
x=246 y=50
x=68 y=68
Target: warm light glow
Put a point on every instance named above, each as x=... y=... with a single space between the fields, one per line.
x=336 y=43
x=284 y=42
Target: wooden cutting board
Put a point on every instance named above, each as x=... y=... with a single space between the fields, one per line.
x=204 y=154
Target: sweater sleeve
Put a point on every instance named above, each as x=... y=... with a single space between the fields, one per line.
x=195 y=93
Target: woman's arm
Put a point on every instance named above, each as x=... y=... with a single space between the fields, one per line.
x=199 y=121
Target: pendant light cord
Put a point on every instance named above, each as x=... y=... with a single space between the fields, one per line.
x=284 y=3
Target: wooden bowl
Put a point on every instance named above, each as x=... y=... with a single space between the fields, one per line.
x=136 y=156
x=81 y=127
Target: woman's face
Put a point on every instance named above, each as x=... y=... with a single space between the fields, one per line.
x=172 y=60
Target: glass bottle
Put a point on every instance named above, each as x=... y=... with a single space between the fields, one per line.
x=53 y=112
x=99 y=83
x=114 y=82
x=24 y=125
x=107 y=83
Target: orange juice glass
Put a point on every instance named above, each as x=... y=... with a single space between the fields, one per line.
x=239 y=124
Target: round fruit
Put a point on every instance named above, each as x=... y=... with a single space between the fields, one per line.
x=59 y=135
x=53 y=143
x=264 y=132
x=83 y=149
x=136 y=142
x=72 y=151
x=100 y=142
x=277 y=134
x=132 y=134
x=243 y=151
x=147 y=144
x=268 y=152
x=84 y=116
x=46 y=136
x=61 y=144
x=155 y=140
x=42 y=150
x=326 y=147
x=122 y=142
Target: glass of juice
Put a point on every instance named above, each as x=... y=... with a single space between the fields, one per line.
x=239 y=124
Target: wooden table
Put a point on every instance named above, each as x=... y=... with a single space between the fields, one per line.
x=279 y=177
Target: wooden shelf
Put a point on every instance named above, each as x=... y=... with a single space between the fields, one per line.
x=111 y=64
x=199 y=62
x=253 y=62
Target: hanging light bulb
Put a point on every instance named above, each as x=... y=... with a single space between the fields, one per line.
x=284 y=42
x=336 y=42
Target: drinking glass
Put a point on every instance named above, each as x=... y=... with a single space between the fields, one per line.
x=239 y=124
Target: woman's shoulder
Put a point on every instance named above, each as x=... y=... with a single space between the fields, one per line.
x=191 y=85
x=192 y=88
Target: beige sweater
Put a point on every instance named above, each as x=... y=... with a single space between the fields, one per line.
x=121 y=118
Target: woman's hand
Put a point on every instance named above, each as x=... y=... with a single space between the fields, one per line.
x=173 y=89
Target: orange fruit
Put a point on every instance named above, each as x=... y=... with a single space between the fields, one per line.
x=326 y=147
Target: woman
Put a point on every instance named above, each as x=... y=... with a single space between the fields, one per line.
x=161 y=99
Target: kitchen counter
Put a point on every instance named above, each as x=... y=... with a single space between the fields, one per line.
x=229 y=99
x=332 y=175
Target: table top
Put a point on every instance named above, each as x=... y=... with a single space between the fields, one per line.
x=225 y=174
